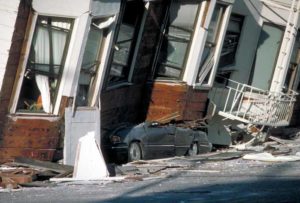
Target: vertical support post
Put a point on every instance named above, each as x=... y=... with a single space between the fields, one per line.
x=285 y=53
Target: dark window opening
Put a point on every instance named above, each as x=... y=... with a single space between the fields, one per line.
x=124 y=46
x=231 y=41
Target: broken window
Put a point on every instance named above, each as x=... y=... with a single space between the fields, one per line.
x=208 y=56
x=45 y=65
x=91 y=61
x=176 y=39
x=124 y=46
x=231 y=40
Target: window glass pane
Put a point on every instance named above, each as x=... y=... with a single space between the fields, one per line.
x=125 y=43
x=215 y=24
x=176 y=40
x=89 y=65
x=45 y=65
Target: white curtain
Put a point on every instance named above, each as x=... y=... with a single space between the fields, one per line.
x=42 y=60
x=59 y=39
x=42 y=49
x=42 y=82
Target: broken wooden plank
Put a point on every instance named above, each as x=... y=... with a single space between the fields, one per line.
x=8 y=183
x=21 y=161
x=17 y=178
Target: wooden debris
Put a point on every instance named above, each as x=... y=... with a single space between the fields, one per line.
x=11 y=178
x=8 y=183
x=24 y=171
x=20 y=161
x=17 y=178
x=157 y=169
x=136 y=178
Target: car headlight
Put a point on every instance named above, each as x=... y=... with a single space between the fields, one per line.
x=115 y=139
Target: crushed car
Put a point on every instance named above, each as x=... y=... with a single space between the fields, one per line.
x=152 y=140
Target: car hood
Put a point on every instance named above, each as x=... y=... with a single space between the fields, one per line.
x=129 y=133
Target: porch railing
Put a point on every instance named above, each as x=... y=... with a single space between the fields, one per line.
x=252 y=105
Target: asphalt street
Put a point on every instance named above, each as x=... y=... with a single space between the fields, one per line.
x=235 y=180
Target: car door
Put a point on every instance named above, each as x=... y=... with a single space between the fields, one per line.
x=160 y=141
x=183 y=139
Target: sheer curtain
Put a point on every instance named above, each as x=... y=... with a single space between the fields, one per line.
x=47 y=58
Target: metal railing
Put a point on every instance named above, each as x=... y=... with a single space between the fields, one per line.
x=252 y=105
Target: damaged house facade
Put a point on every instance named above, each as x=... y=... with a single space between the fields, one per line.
x=68 y=67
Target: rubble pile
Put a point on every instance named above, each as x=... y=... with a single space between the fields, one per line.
x=24 y=172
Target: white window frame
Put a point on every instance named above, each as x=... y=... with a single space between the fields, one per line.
x=104 y=59
x=198 y=42
x=135 y=53
x=22 y=69
x=219 y=45
x=22 y=66
x=72 y=66
x=70 y=88
x=195 y=43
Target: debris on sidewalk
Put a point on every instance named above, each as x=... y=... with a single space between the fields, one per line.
x=25 y=172
x=270 y=158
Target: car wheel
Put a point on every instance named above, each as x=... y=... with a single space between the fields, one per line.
x=194 y=149
x=134 y=152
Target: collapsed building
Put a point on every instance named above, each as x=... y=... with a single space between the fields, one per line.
x=68 y=67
